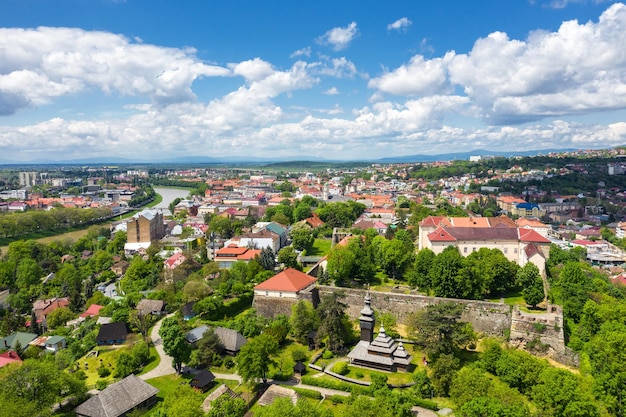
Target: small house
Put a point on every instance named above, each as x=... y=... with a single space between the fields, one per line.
x=112 y=334
x=119 y=399
x=202 y=379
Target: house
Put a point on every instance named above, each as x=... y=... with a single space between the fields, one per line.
x=193 y=335
x=286 y=284
x=227 y=256
x=261 y=239
x=42 y=308
x=151 y=307
x=381 y=352
x=202 y=379
x=112 y=334
x=119 y=399
x=220 y=391
x=299 y=368
x=92 y=311
x=50 y=343
x=10 y=356
x=119 y=268
x=230 y=339
x=173 y=261
x=18 y=338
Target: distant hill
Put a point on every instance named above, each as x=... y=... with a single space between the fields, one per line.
x=294 y=161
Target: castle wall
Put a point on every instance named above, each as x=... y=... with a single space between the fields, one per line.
x=490 y=318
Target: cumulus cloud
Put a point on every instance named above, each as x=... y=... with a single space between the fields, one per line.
x=578 y=69
x=339 y=38
x=332 y=91
x=38 y=65
x=400 y=25
x=418 y=77
x=252 y=70
x=336 y=67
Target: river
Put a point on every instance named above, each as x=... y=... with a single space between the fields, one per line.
x=168 y=194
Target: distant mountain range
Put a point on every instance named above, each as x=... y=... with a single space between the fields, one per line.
x=254 y=160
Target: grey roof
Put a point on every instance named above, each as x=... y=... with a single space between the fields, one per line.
x=276 y=391
x=231 y=339
x=219 y=391
x=196 y=334
x=146 y=306
x=276 y=228
x=117 y=399
x=360 y=353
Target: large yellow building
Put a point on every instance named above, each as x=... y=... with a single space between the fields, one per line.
x=469 y=234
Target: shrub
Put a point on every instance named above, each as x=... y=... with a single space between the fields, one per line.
x=103 y=372
x=308 y=393
x=337 y=399
x=431 y=405
x=101 y=384
x=338 y=385
x=341 y=368
x=327 y=354
x=299 y=354
x=358 y=374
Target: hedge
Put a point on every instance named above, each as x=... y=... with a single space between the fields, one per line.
x=338 y=385
x=431 y=405
x=308 y=393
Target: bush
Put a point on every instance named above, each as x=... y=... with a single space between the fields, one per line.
x=431 y=405
x=337 y=399
x=358 y=374
x=341 y=368
x=308 y=393
x=327 y=354
x=103 y=372
x=101 y=384
x=338 y=385
x=299 y=354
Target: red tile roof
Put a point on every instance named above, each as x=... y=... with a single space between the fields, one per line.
x=9 y=357
x=441 y=235
x=289 y=280
x=529 y=235
x=93 y=310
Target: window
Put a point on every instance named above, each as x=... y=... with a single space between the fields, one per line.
x=465 y=249
x=474 y=249
x=506 y=250
x=280 y=294
x=267 y=293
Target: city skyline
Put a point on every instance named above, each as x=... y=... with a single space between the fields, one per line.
x=355 y=80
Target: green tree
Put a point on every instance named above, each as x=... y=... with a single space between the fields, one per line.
x=439 y=330
x=301 y=236
x=254 y=358
x=208 y=347
x=174 y=343
x=283 y=407
x=419 y=276
x=303 y=320
x=534 y=294
x=445 y=271
x=225 y=406
x=184 y=401
x=557 y=389
x=59 y=317
x=333 y=321
x=443 y=372
x=288 y=257
x=267 y=259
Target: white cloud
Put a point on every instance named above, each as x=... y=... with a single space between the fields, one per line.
x=336 y=67
x=400 y=25
x=38 y=65
x=332 y=91
x=339 y=38
x=301 y=52
x=578 y=69
x=418 y=77
x=252 y=70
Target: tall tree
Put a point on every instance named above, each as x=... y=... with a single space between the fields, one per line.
x=333 y=321
x=254 y=358
x=439 y=329
x=174 y=342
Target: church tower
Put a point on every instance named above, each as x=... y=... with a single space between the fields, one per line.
x=367 y=320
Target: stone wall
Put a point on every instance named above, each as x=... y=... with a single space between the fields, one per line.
x=490 y=318
x=272 y=306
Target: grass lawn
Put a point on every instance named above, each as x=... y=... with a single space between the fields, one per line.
x=167 y=384
x=107 y=357
x=364 y=374
x=320 y=247
x=284 y=360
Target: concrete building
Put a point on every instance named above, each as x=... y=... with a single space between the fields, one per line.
x=143 y=228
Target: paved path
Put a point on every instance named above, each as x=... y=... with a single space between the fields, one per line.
x=165 y=365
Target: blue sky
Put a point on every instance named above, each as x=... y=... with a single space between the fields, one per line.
x=338 y=80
